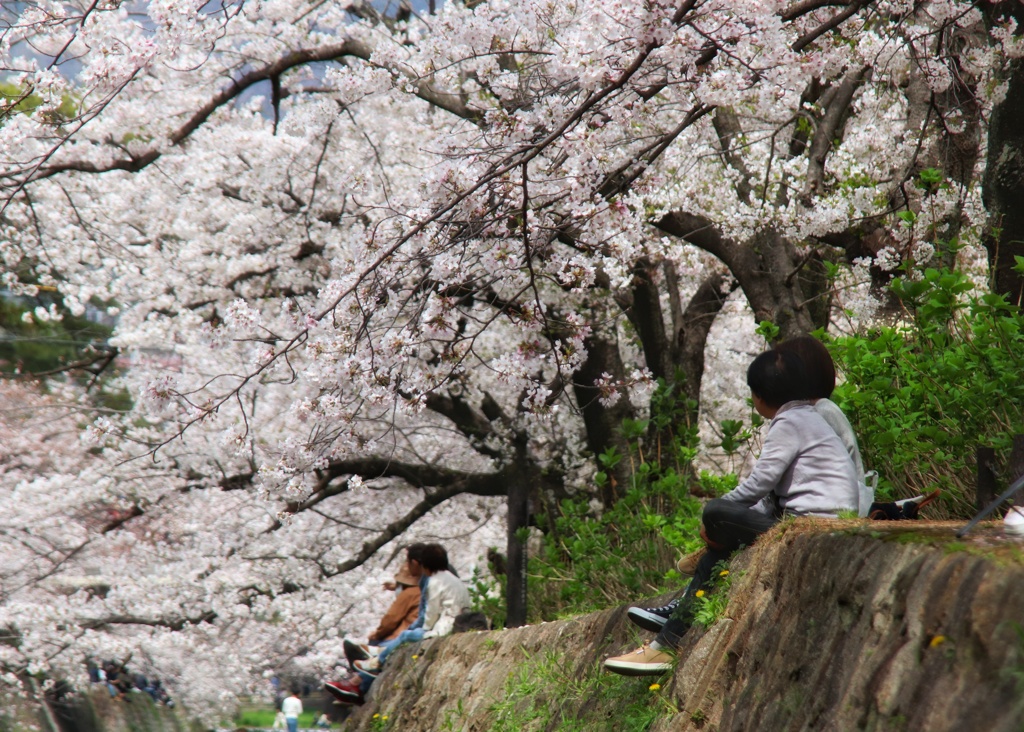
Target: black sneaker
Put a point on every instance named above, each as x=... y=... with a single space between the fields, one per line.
x=653 y=618
x=355 y=652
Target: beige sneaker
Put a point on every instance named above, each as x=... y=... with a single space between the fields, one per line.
x=644 y=661
x=687 y=565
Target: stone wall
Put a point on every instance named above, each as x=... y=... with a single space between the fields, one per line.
x=92 y=711
x=830 y=626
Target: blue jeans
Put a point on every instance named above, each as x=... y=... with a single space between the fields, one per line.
x=406 y=636
x=293 y=724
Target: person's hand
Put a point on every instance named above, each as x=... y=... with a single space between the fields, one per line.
x=390 y=586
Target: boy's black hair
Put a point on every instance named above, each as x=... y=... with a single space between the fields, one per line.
x=435 y=558
x=821 y=370
x=414 y=552
x=778 y=377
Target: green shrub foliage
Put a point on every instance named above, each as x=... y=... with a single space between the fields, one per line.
x=923 y=394
x=592 y=561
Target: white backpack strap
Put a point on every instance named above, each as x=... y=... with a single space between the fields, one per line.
x=867 y=493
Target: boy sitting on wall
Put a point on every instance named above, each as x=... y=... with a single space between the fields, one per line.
x=803 y=470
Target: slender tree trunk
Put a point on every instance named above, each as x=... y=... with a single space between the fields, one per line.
x=515 y=577
x=603 y=422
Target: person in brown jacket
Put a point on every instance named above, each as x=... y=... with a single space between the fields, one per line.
x=403 y=610
x=403 y=613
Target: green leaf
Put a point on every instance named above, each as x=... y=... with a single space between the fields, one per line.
x=768 y=330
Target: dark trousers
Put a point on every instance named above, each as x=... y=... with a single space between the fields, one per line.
x=729 y=526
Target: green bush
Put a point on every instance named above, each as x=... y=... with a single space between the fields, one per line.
x=590 y=561
x=924 y=394
x=38 y=346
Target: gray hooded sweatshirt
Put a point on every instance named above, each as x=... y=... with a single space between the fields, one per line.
x=804 y=468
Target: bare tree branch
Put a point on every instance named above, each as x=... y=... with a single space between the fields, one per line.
x=398 y=526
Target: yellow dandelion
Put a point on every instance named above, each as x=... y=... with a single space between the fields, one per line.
x=654 y=687
x=385 y=718
x=724 y=573
x=376 y=716
x=937 y=641
x=700 y=593
x=415 y=657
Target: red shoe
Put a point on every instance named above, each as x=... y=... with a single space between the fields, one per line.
x=345 y=691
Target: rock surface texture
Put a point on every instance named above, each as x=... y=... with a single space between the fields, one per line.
x=830 y=626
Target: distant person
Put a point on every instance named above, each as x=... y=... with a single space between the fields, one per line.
x=114 y=679
x=279 y=720
x=292 y=708
x=93 y=669
x=351 y=690
x=444 y=598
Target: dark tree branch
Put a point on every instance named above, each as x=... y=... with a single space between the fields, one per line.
x=424 y=89
x=702 y=233
x=397 y=527
x=177 y=624
x=727 y=127
x=694 y=325
x=760 y=265
x=831 y=24
x=122 y=519
x=646 y=316
x=370 y=468
x=804 y=7
x=95 y=363
x=474 y=424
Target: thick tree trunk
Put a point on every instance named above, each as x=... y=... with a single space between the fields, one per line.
x=692 y=328
x=674 y=343
x=768 y=268
x=645 y=313
x=1003 y=188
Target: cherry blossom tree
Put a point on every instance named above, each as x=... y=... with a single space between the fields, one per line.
x=378 y=271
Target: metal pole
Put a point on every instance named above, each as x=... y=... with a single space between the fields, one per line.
x=1017 y=485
